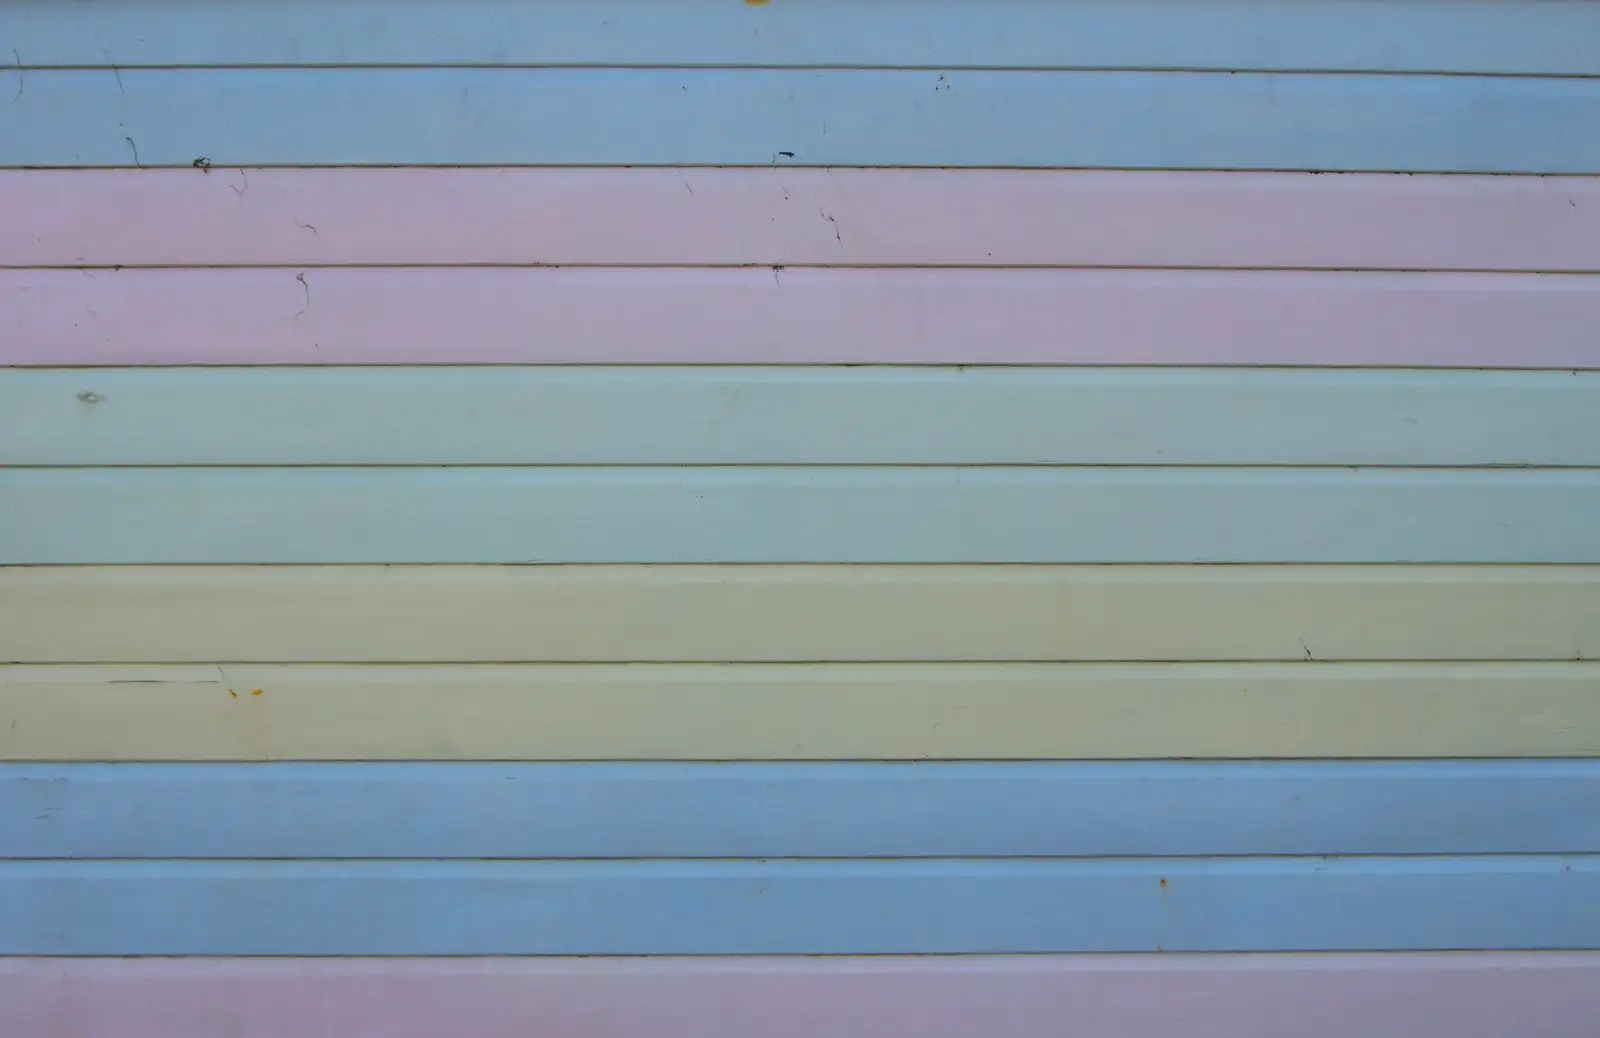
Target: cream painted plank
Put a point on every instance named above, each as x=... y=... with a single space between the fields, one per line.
x=159 y=614
x=799 y=712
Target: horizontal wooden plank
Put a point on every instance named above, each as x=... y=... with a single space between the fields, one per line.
x=800 y=514
x=421 y=614
x=1528 y=37
x=809 y=810
x=811 y=117
x=1465 y=995
x=805 y=316
x=778 y=217
x=798 y=712
x=795 y=415
x=928 y=906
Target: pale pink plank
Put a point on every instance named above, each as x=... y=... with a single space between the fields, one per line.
x=807 y=315
x=795 y=216
x=1470 y=995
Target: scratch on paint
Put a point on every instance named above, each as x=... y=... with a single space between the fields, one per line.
x=835 y=223
x=301 y=277
x=21 y=80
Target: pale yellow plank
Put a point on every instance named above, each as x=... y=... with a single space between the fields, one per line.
x=816 y=711
x=141 y=614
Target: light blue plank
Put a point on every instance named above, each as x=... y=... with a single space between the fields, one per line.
x=1416 y=35
x=797 y=514
x=1403 y=35
x=798 y=907
x=800 y=117
x=804 y=415
x=826 y=810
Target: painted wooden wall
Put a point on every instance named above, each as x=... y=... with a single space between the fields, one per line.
x=810 y=518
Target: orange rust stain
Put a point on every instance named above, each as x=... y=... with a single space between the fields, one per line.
x=255 y=691
x=232 y=693
x=757 y=3
x=1163 y=884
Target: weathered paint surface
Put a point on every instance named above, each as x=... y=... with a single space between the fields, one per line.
x=1321 y=449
